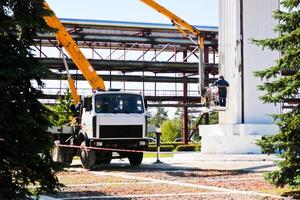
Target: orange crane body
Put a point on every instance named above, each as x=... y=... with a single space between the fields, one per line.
x=65 y=40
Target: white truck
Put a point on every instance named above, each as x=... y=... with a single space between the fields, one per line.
x=112 y=120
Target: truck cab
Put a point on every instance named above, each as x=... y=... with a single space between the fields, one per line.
x=115 y=119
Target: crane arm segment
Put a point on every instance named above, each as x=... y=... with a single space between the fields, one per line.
x=180 y=23
x=66 y=41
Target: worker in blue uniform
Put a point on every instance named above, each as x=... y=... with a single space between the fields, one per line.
x=222 y=85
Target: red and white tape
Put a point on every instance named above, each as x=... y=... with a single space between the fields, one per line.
x=103 y=149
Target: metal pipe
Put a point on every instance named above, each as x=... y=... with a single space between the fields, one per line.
x=201 y=71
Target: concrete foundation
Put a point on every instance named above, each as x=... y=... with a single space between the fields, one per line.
x=234 y=138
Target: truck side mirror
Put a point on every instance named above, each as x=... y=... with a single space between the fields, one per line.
x=146 y=104
x=87 y=103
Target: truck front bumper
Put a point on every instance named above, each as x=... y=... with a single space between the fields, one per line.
x=130 y=144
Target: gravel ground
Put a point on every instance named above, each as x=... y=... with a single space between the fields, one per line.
x=240 y=180
x=185 y=176
x=137 y=183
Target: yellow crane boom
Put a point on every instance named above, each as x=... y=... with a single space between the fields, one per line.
x=182 y=27
x=65 y=40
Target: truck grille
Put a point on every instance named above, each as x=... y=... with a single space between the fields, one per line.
x=121 y=131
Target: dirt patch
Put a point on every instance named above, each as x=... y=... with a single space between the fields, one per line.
x=84 y=177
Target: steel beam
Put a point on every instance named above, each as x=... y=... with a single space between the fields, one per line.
x=130 y=66
x=121 y=39
x=127 y=78
x=194 y=100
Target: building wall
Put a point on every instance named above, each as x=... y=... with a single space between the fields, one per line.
x=257 y=23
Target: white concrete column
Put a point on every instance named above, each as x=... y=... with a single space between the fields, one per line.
x=246 y=118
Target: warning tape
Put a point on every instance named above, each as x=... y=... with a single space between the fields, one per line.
x=103 y=149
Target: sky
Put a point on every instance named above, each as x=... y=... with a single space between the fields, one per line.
x=196 y=12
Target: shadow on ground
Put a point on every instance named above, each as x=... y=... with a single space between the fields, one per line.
x=182 y=172
x=90 y=194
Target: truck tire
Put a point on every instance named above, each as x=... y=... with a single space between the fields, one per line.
x=87 y=157
x=103 y=158
x=135 y=159
x=62 y=154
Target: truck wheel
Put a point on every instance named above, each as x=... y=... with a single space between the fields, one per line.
x=87 y=157
x=135 y=159
x=103 y=158
x=62 y=154
x=108 y=157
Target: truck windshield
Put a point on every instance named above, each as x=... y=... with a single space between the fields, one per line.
x=118 y=103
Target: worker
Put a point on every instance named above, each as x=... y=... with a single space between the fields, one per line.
x=222 y=85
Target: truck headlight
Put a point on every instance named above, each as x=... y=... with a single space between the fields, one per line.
x=142 y=143
x=99 y=144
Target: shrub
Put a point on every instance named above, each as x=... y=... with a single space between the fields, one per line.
x=162 y=148
x=174 y=144
x=188 y=147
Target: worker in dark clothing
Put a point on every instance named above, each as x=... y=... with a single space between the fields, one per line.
x=222 y=89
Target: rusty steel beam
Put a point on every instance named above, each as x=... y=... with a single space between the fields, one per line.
x=130 y=66
x=121 y=39
x=189 y=105
x=189 y=100
x=127 y=78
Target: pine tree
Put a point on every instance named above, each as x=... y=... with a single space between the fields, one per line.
x=279 y=87
x=62 y=113
x=24 y=145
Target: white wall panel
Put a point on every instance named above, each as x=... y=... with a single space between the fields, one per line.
x=258 y=24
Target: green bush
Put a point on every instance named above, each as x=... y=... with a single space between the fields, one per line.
x=162 y=148
x=171 y=129
x=174 y=144
x=188 y=147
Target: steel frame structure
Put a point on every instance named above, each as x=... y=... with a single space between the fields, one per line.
x=118 y=39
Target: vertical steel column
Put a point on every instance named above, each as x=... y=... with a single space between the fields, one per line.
x=143 y=83
x=206 y=54
x=124 y=79
x=214 y=56
x=155 y=85
x=40 y=48
x=110 y=70
x=206 y=79
x=185 y=131
x=175 y=60
x=92 y=52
